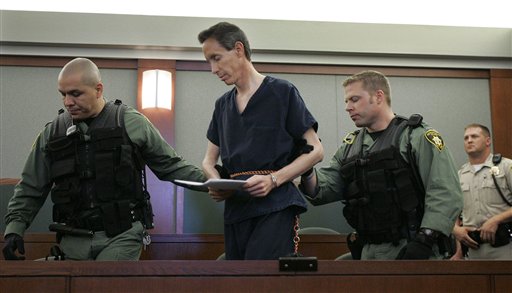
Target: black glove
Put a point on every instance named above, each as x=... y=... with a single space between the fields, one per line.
x=419 y=248
x=12 y=243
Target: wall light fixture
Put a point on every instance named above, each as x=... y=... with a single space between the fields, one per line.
x=157 y=89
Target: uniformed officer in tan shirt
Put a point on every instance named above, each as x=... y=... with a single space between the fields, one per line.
x=484 y=207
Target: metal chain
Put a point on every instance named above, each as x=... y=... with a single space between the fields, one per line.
x=257 y=172
x=296 y=239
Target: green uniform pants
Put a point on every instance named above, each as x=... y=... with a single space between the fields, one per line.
x=390 y=251
x=125 y=246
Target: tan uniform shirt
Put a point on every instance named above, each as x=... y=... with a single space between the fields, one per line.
x=482 y=201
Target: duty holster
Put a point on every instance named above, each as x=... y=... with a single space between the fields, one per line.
x=502 y=236
x=147 y=212
x=447 y=246
x=355 y=245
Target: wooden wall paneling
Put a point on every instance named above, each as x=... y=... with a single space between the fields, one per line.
x=384 y=283
x=27 y=284
x=503 y=283
x=9 y=181
x=261 y=276
x=345 y=70
x=501 y=110
x=263 y=67
x=194 y=246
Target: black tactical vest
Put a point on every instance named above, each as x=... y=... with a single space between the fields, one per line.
x=383 y=198
x=96 y=175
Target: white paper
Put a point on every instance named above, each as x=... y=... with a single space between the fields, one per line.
x=215 y=183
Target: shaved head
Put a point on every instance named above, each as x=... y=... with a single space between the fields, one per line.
x=89 y=71
x=81 y=88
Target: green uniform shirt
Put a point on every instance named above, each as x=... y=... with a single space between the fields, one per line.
x=31 y=192
x=443 y=198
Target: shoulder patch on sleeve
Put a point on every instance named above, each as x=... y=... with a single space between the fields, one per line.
x=350 y=137
x=434 y=138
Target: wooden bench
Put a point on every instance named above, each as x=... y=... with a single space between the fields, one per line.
x=255 y=276
x=195 y=246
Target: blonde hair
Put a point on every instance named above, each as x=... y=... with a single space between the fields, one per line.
x=372 y=82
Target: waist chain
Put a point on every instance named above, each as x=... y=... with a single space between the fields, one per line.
x=257 y=172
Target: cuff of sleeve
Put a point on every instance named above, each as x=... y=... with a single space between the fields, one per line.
x=16 y=228
x=438 y=222
x=309 y=196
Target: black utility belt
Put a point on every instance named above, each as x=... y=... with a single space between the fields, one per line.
x=68 y=230
x=95 y=222
x=86 y=231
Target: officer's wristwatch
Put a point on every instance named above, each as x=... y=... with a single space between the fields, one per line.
x=430 y=233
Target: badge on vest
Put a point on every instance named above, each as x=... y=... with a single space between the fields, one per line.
x=495 y=170
x=434 y=138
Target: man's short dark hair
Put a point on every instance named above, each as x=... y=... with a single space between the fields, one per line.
x=227 y=34
x=484 y=128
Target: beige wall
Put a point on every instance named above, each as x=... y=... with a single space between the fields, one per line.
x=167 y=37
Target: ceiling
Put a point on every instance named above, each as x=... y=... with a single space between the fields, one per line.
x=468 y=13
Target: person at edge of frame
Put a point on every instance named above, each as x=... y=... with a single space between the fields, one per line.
x=92 y=159
x=484 y=229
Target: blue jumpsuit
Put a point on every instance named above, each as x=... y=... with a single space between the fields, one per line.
x=260 y=138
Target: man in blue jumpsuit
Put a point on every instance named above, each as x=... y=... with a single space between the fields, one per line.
x=262 y=132
x=91 y=158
